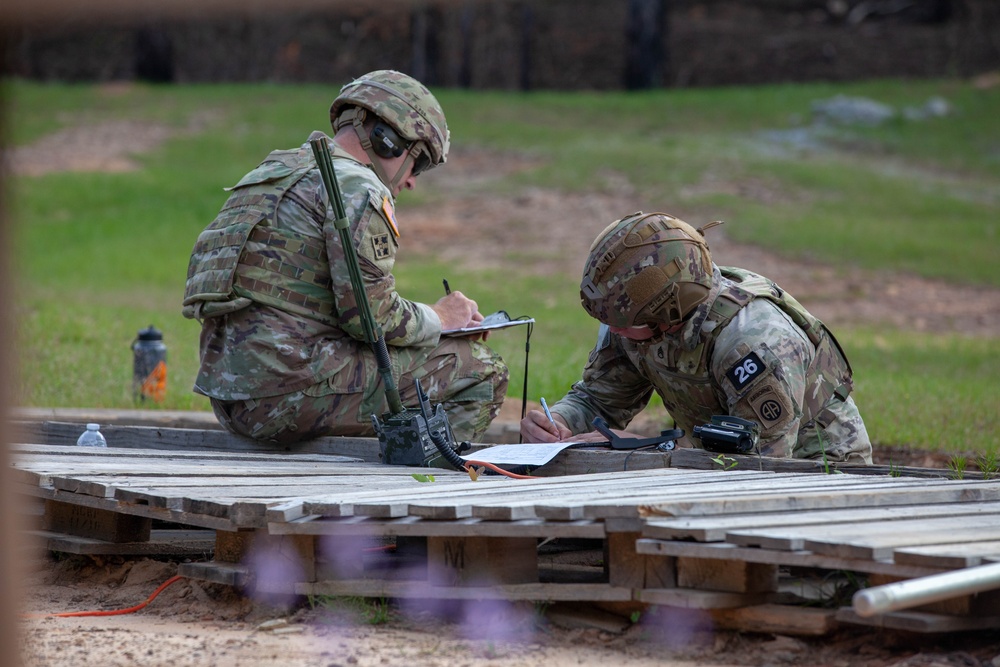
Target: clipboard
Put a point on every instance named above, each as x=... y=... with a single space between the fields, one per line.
x=493 y=321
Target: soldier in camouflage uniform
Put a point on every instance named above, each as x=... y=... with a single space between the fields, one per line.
x=283 y=353
x=710 y=341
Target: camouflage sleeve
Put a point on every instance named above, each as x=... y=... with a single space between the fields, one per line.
x=611 y=388
x=760 y=362
x=404 y=323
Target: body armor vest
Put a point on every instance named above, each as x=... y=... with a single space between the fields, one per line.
x=684 y=377
x=241 y=257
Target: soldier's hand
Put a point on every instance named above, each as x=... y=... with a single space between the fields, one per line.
x=457 y=311
x=536 y=427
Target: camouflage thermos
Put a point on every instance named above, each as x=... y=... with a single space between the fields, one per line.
x=149 y=366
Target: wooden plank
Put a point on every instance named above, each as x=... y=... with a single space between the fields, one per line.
x=687 y=598
x=229 y=574
x=100 y=524
x=161 y=543
x=808 y=559
x=179 y=439
x=951 y=555
x=377 y=588
x=29 y=452
x=416 y=527
x=775 y=490
x=626 y=496
x=894 y=491
x=702 y=460
x=172 y=516
x=870 y=539
x=388 y=505
x=778 y=619
x=915 y=621
x=883 y=546
x=714 y=528
x=519 y=501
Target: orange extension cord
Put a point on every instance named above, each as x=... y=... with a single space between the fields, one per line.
x=112 y=612
x=494 y=468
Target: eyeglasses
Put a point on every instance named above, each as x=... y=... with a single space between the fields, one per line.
x=422 y=163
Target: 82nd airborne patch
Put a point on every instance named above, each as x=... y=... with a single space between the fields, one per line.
x=381 y=245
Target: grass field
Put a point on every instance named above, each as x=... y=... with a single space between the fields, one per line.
x=99 y=255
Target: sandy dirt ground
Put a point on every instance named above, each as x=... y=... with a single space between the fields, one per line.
x=193 y=623
x=196 y=624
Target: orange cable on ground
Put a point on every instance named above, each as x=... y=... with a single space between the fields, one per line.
x=112 y=612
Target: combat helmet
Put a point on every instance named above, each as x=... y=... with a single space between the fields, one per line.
x=409 y=110
x=646 y=268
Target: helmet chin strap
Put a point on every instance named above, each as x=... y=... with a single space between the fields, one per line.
x=357 y=119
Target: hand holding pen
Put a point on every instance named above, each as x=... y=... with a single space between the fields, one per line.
x=457 y=311
x=543 y=427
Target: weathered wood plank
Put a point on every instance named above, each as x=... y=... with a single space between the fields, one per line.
x=160 y=543
x=952 y=555
x=892 y=491
x=378 y=588
x=915 y=621
x=714 y=528
x=100 y=524
x=725 y=551
x=178 y=439
x=867 y=540
x=387 y=505
x=496 y=503
x=411 y=526
x=779 y=619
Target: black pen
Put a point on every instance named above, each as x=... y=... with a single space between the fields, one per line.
x=447 y=289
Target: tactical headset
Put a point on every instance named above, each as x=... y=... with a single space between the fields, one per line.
x=387 y=143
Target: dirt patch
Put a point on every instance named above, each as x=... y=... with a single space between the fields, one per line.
x=195 y=623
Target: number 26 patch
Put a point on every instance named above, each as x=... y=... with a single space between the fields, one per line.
x=745 y=370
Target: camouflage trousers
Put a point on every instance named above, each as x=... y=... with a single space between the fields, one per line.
x=466 y=377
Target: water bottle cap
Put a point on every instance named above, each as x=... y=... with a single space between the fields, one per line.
x=152 y=333
x=93 y=427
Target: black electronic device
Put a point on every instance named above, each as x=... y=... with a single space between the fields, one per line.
x=728 y=435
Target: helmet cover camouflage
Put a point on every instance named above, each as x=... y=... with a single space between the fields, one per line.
x=646 y=268
x=402 y=102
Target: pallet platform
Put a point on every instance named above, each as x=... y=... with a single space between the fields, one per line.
x=691 y=536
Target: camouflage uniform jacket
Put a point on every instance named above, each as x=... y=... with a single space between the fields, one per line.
x=269 y=281
x=751 y=351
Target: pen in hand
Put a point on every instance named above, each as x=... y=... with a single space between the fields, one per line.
x=447 y=288
x=545 y=406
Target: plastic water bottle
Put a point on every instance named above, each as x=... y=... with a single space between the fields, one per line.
x=149 y=366
x=92 y=437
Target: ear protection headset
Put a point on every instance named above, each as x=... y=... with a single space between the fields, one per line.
x=385 y=142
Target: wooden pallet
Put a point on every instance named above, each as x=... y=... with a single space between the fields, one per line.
x=695 y=537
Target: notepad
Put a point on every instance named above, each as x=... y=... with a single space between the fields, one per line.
x=497 y=320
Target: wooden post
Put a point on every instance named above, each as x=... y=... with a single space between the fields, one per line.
x=628 y=569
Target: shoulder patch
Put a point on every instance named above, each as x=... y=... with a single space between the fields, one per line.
x=745 y=370
x=772 y=407
x=380 y=243
x=390 y=215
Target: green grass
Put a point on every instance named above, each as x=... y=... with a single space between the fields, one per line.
x=99 y=256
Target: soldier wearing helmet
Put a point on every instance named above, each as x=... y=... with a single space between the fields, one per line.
x=283 y=352
x=709 y=340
